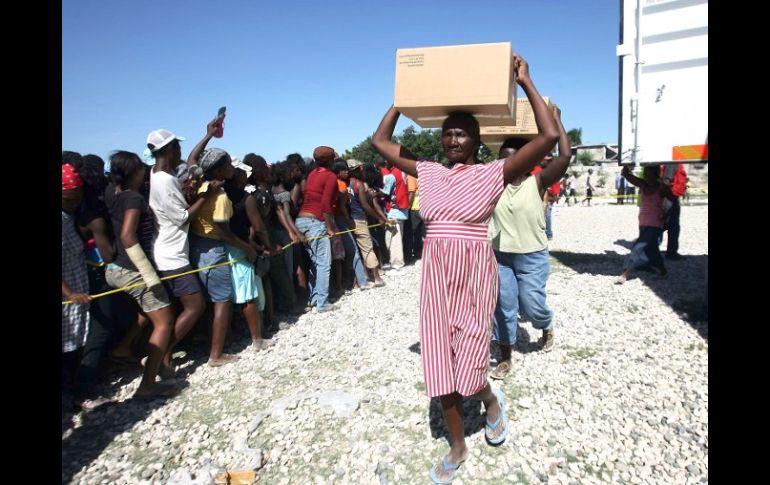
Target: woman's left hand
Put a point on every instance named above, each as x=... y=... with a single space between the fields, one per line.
x=521 y=67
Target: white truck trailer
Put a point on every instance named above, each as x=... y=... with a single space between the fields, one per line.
x=663 y=57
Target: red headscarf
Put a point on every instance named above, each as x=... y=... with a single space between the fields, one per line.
x=70 y=179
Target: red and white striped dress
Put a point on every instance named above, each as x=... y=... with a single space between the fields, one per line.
x=459 y=283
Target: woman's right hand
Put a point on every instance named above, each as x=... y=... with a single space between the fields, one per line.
x=214 y=187
x=79 y=298
x=212 y=126
x=521 y=67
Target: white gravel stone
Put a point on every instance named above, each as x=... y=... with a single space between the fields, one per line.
x=625 y=390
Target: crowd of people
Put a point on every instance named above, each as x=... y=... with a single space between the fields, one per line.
x=189 y=241
x=197 y=239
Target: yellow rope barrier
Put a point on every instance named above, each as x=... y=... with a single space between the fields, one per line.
x=137 y=285
x=616 y=196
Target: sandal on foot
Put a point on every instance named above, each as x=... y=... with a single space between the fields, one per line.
x=446 y=467
x=502 y=370
x=490 y=427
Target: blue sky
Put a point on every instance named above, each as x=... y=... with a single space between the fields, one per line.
x=298 y=74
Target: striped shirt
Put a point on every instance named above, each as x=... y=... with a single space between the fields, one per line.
x=459 y=282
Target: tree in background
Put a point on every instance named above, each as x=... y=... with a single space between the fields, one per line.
x=364 y=152
x=575 y=136
x=424 y=144
x=585 y=158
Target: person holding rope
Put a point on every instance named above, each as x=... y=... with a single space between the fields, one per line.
x=210 y=232
x=132 y=268
x=75 y=317
x=360 y=207
x=459 y=281
x=171 y=249
x=316 y=219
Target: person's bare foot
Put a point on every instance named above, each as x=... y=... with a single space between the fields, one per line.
x=222 y=360
x=261 y=344
x=156 y=391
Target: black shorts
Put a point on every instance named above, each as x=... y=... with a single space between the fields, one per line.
x=589 y=193
x=183 y=285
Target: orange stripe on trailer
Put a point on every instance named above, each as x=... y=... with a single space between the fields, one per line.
x=691 y=152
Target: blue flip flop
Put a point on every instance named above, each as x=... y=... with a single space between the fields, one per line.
x=447 y=467
x=492 y=426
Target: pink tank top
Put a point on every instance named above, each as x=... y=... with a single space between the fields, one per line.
x=651 y=209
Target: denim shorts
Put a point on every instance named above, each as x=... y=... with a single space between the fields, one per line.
x=217 y=282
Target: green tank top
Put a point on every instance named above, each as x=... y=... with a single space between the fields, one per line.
x=518 y=223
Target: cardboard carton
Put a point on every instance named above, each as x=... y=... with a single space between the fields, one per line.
x=494 y=136
x=431 y=82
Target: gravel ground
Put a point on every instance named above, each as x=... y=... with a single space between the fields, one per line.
x=623 y=397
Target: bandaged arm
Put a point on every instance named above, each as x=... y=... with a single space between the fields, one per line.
x=143 y=265
x=134 y=250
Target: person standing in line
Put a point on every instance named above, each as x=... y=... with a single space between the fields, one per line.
x=415 y=221
x=171 y=247
x=132 y=227
x=315 y=220
x=361 y=205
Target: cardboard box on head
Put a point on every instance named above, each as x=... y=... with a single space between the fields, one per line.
x=526 y=127
x=431 y=82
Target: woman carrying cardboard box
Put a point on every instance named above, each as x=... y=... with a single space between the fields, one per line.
x=459 y=283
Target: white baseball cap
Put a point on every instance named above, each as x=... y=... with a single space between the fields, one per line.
x=157 y=139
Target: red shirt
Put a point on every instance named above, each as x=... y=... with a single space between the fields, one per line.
x=320 y=193
x=555 y=189
x=401 y=192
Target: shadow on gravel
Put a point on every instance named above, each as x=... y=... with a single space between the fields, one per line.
x=625 y=243
x=415 y=347
x=685 y=289
x=474 y=418
x=98 y=428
